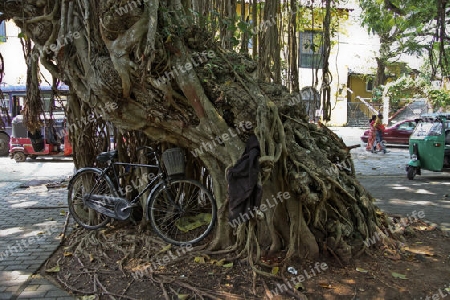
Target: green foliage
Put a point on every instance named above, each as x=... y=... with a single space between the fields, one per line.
x=439 y=98
x=240 y=69
x=404 y=26
x=407 y=87
x=403 y=88
x=377 y=93
x=22 y=35
x=244 y=26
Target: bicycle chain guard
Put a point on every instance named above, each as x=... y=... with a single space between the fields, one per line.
x=113 y=207
x=122 y=209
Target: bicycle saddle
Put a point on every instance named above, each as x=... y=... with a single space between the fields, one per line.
x=106 y=156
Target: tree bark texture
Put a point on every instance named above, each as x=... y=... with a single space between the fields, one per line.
x=169 y=79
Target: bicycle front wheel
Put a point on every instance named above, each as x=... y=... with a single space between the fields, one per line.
x=182 y=212
x=84 y=183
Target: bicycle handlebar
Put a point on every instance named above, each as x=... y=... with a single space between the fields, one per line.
x=152 y=151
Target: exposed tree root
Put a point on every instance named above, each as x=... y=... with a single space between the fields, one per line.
x=98 y=246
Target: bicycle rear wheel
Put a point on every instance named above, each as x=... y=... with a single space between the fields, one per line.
x=88 y=182
x=182 y=212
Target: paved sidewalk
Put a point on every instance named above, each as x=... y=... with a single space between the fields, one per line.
x=32 y=220
x=391 y=163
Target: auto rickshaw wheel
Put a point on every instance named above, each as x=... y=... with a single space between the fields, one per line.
x=19 y=157
x=412 y=171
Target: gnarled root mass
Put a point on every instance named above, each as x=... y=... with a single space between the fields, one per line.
x=166 y=78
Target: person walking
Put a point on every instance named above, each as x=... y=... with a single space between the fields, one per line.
x=379 y=130
x=372 y=133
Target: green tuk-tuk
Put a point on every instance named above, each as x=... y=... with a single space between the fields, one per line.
x=429 y=145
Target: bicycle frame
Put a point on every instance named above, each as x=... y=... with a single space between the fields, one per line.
x=172 y=201
x=116 y=178
x=159 y=175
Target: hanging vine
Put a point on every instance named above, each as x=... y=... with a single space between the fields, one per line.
x=293 y=47
x=33 y=106
x=3 y=105
x=326 y=74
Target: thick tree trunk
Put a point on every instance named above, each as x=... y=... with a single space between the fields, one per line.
x=169 y=80
x=293 y=48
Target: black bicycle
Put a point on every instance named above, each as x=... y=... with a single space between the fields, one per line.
x=181 y=211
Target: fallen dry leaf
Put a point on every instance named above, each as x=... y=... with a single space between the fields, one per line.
x=361 y=270
x=326 y=285
x=398 y=275
x=275 y=270
x=55 y=269
x=199 y=259
x=425 y=250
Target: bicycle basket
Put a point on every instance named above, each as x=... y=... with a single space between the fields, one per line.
x=173 y=159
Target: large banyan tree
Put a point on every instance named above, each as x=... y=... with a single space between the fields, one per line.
x=167 y=68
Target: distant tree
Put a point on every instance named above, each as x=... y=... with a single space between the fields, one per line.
x=407 y=26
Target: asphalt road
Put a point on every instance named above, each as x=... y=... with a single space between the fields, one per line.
x=384 y=176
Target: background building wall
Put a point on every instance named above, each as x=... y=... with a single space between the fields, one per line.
x=15 y=66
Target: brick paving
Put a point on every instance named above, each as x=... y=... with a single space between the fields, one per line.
x=32 y=220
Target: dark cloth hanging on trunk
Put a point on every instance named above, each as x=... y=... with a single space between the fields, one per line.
x=243 y=189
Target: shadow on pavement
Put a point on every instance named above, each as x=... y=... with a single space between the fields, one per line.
x=398 y=195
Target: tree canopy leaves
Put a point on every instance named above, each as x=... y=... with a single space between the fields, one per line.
x=410 y=27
